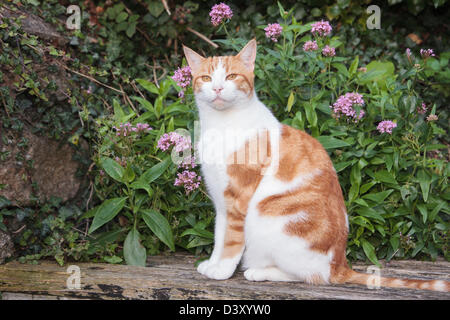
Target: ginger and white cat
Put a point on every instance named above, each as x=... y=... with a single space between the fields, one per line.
x=279 y=206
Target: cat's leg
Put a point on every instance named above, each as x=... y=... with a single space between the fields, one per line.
x=268 y=274
x=228 y=247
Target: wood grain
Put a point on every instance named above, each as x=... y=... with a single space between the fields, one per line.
x=174 y=277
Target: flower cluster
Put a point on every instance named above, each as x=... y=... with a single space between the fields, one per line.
x=310 y=46
x=426 y=53
x=183 y=77
x=344 y=106
x=188 y=163
x=328 y=51
x=432 y=117
x=273 y=31
x=321 y=28
x=386 y=126
x=189 y=180
x=125 y=129
x=422 y=109
x=180 y=142
x=220 y=12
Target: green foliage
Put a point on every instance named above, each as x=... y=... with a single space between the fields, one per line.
x=135 y=180
x=395 y=186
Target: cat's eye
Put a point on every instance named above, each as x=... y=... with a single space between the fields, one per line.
x=231 y=76
x=206 y=78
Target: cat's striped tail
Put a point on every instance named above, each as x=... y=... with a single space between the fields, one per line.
x=351 y=276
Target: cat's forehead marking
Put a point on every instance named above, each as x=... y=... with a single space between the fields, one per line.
x=216 y=62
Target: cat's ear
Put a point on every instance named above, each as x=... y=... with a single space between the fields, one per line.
x=248 y=54
x=193 y=58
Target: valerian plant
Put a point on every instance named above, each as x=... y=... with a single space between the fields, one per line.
x=383 y=137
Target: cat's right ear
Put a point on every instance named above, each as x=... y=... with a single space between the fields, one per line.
x=193 y=58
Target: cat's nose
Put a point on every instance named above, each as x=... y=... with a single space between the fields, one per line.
x=217 y=90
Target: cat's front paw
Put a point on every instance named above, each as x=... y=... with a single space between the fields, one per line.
x=220 y=270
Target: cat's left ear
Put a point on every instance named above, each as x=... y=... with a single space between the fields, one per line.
x=248 y=54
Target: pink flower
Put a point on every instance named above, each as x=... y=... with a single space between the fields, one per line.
x=344 y=106
x=328 y=51
x=170 y=139
x=219 y=12
x=422 y=109
x=273 y=31
x=310 y=46
x=386 y=126
x=189 y=179
x=432 y=117
x=188 y=163
x=426 y=53
x=183 y=76
x=408 y=53
x=125 y=129
x=321 y=28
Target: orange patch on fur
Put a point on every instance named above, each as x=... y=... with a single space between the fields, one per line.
x=320 y=198
x=245 y=177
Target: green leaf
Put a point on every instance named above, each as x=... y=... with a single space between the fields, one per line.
x=379 y=196
x=341 y=68
x=146 y=104
x=385 y=176
x=154 y=172
x=121 y=17
x=119 y=114
x=370 y=213
x=290 y=101
x=147 y=85
x=142 y=185
x=198 y=232
x=425 y=182
x=112 y=168
x=353 y=66
x=196 y=242
x=133 y=251
x=423 y=211
x=155 y=8
x=113 y=259
x=159 y=225
x=369 y=250
x=129 y=174
x=131 y=30
x=329 y=142
x=106 y=212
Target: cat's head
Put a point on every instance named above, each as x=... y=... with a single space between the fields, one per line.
x=223 y=82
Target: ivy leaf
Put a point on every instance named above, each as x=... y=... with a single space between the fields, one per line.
x=155 y=8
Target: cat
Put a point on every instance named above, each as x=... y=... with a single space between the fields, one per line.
x=280 y=210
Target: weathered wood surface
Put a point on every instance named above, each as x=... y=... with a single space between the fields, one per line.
x=175 y=277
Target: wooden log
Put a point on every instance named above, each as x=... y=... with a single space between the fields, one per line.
x=174 y=277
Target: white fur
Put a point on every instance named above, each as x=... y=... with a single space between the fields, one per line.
x=270 y=253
